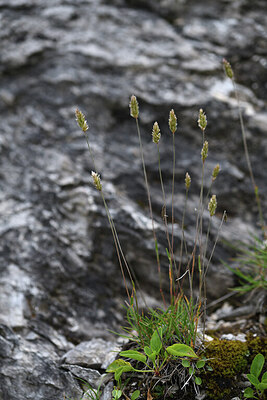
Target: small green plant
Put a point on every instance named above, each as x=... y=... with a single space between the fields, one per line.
x=178 y=323
x=153 y=357
x=196 y=366
x=89 y=392
x=254 y=379
x=92 y=394
x=117 y=393
x=252 y=266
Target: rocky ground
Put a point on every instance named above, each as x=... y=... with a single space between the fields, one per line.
x=60 y=283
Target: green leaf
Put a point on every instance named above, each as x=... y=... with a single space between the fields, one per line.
x=155 y=341
x=191 y=370
x=118 y=367
x=249 y=393
x=156 y=248
x=168 y=255
x=186 y=363
x=262 y=385
x=201 y=363
x=181 y=350
x=257 y=365
x=120 y=371
x=264 y=377
x=135 y=395
x=116 y=393
x=198 y=380
x=151 y=354
x=253 y=379
x=133 y=354
x=117 y=364
x=209 y=368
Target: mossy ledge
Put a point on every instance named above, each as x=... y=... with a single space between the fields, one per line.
x=230 y=359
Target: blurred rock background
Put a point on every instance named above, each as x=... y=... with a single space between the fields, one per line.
x=60 y=282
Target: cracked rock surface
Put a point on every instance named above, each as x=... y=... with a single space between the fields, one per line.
x=60 y=283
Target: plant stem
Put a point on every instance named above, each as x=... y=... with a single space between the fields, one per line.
x=173 y=180
x=164 y=215
x=148 y=196
x=255 y=187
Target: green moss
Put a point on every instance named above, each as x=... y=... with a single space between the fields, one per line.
x=256 y=345
x=228 y=359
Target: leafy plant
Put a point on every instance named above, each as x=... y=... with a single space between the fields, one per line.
x=178 y=323
x=254 y=378
x=194 y=367
x=153 y=357
x=117 y=393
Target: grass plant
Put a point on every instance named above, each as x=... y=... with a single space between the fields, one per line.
x=252 y=258
x=177 y=323
x=252 y=266
x=165 y=344
x=230 y=74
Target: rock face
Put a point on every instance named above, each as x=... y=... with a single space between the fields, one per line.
x=60 y=283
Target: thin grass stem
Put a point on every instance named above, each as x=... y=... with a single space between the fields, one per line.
x=244 y=137
x=148 y=196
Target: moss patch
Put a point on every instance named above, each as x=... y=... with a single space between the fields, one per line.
x=229 y=359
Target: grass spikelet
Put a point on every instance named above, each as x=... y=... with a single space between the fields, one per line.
x=96 y=180
x=156 y=133
x=204 y=151
x=212 y=205
x=172 y=121
x=187 y=180
x=228 y=69
x=202 y=120
x=81 y=121
x=215 y=172
x=134 y=108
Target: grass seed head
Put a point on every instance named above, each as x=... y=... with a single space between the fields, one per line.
x=212 y=205
x=215 y=172
x=81 y=121
x=156 y=133
x=134 y=109
x=187 y=180
x=204 y=151
x=96 y=180
x=228 y=69
x=202 y=120
x=172 y=121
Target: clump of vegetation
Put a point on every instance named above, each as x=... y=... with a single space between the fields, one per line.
x=252 y=266
x=167 y=355
x=259 y=383
x=166 y=342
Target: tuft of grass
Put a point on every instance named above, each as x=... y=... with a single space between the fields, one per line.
x=175 y=326
x=160 y=337
x=178 y=323
x=252 y=266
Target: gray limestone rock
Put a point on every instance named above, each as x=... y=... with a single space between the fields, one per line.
x=97 y=353
x=60 y=283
